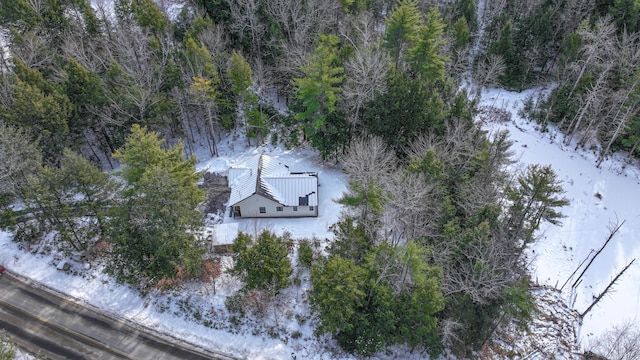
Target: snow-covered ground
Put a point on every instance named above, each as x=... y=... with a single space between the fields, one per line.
x=556 y=255
x=331 y=184
x=166 y=313
x=599 y=197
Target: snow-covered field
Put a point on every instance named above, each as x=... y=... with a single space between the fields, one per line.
x=599 y=197
x=556 y=255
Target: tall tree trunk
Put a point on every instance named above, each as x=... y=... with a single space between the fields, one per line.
x=622 y=123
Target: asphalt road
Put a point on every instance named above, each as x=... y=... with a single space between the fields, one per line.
x=56 y=328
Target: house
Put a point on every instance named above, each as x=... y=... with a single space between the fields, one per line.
x=265 y=187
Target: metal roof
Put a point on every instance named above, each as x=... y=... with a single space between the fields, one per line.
x=272 y=179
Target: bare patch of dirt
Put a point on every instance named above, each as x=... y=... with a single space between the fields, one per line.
x=218 y=192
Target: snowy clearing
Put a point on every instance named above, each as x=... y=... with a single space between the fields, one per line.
x=599 y=197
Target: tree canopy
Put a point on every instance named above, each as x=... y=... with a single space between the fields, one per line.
x=154 y=229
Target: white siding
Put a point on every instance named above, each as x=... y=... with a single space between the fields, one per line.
x=250 y=207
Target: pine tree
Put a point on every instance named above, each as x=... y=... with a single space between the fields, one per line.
x=18 y=15
x=419 y=299
x=626 y=14
x=384 y=295
x=239 y=74
x=84 y=90
x=535 y=199
x=337 y=293
x=41 y=107
x=20 y=158
x=505 y=48
x=264 y=265
x=95 y=191
x=461 y=33
x=318 y=91
x=71 y=199
x=154 y=228
x=406 y=110
x=402 y=29
x=424 y=55
x=149 y=15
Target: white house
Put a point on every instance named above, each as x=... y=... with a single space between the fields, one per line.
x=265 y=187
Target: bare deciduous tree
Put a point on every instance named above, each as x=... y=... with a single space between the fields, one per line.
x=598 y=47
x=34 y=50
x=211 y=272
x=487 y=72
x=366 y=73
x=592 y=103
x=623 y=103
x=246 y=22
x=622 y=342
x=302 y=22
x=449 y=331
x=368 y=160
x=412 y=209
x=368 y=165
x=485 y=270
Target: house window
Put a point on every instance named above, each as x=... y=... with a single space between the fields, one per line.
x=263 y=210
x=278 y=208
x=310 y=208
x=303 y=200
x=295 y=208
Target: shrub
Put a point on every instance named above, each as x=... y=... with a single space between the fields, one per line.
x=305 y=253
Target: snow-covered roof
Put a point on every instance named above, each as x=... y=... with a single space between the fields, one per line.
x=272 y=179
x=224 y=234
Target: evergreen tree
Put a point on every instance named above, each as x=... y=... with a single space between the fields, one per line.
x=85 y=91
x=626 y=14
x=406 y=110
x=217 y=10
x=354 y=6
x=350 y=241
x=263 y=266
x=41 y=107
x=198 y=60
x=18 y=15
x=318 y=91
x=149 y=15
x=71 y=199
x=504 y=47
x=206 y=96
x=386 y=296
x=534 y=199
x=20 y=158
x=461 y=33
x=337 y=293
x=154 y=228
x=420 y=301
x=95 y=191
x=7 y=348
x=239 y=74
x=424 y=55
x=402 y=30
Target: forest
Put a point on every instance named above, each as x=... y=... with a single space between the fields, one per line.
x=104 y=103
